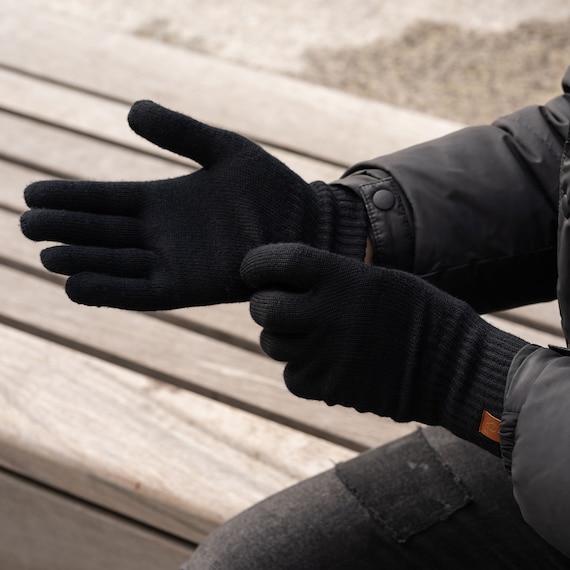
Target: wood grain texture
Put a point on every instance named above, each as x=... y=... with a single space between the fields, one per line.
x=70 y=155
x=40 y=530
x=100 y=118
x=164 y=456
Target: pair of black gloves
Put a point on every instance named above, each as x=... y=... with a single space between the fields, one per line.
x=244 y=226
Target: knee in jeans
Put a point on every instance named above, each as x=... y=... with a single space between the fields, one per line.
x=220 y=551
x=248 y=541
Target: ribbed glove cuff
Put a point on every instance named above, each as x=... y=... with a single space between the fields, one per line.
x=477 y=369
x=343 y=222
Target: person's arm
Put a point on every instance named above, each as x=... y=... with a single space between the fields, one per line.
x=473 y=212
x=535 y=431
x=535 y=440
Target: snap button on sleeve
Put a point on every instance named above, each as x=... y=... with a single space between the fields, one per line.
x=383 y=199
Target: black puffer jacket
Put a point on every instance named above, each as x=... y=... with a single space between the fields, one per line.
x=476 y=213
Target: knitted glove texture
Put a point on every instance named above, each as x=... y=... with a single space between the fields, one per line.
x=378 y=340
x=180 y=242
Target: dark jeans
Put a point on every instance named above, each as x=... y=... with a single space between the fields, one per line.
x=428 y=500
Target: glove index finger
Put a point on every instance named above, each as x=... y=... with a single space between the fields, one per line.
x=182 y=134
x=291 y=266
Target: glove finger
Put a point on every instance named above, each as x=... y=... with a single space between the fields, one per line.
x=304 y=382
x=182 y=134
x=79 y=228
x=292 y=266
x=71 y=259
x=117 y=198
x=282 y=312
x=122 y=293
x=281 y=347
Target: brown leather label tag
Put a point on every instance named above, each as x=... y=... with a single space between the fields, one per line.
x=489 y=426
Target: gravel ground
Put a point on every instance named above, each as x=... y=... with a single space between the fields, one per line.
x=466 y=60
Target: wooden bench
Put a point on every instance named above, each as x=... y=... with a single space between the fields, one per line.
x=126 y=437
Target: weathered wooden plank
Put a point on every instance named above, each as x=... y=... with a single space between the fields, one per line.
x=543 y=316
x=40 y=529
x=337 y=126
x=14 y=179
x=69 y=108
x=105 y=119
x=164 y=456
x=532 y=335
x=67 y=154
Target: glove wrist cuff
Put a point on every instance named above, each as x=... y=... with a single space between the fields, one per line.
x=343 y=222
x=477 y=381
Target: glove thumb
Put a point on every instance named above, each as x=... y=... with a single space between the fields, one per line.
x=181 y=134
x=293 y=266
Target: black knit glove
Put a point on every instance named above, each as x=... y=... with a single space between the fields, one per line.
x=180 y=242
x=378 y=340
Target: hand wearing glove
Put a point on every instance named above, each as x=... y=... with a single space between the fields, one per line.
x=180 y=242
x=378 y=340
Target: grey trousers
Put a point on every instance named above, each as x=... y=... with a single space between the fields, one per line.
x=428 y=500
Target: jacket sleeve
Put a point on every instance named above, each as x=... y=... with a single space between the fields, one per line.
x=535 y=440
x=473 y=212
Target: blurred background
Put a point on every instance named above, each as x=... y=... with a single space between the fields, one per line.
x=464 y=60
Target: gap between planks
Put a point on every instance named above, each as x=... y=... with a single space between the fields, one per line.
x=47 y=528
